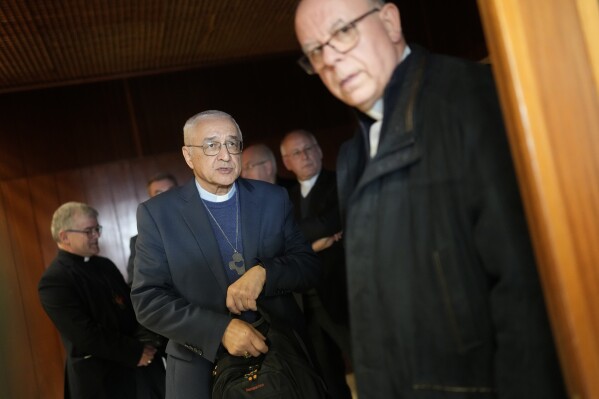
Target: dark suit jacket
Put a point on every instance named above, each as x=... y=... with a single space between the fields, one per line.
x=131 y=258
x=89 y=304
x=179 y=287
x=321 y=218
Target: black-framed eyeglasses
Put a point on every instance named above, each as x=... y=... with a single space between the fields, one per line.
x=89 y=231
x=251 y=166
x=342 y=40
x=296 y=154
x=212 y=148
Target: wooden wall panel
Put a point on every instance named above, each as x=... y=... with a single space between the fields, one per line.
x=545 y=61
x=125 y=203
x=44 y=200
x=98 y=186
x=70 y=186
x=13 y=331
x=40 y=352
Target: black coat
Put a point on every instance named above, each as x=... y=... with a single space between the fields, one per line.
x=321 y=218
x=444 y=293
x=89 y=304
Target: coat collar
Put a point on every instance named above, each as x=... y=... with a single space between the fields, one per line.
x=398 y=146
x=197 y=219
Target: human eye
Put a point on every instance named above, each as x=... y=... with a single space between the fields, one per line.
x=209 y=145
x=316 y=52
x=344 y=33
x=232 y=145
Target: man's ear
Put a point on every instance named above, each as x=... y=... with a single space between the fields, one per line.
x=187 y=155
x=63 y=237
x=389 y=15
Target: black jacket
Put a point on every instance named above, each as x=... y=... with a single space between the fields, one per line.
x=444 y=293
x=320 y=219
x=89 y=304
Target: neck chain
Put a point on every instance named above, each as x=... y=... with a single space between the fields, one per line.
x=237 y=257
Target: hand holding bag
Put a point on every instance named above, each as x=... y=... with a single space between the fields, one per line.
x=284 y=372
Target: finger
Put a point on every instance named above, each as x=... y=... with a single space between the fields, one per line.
x=231 y=305
x=258 y=346
x=251 y=304
x=240 y=305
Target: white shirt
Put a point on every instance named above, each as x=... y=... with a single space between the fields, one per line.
x=208 y=196
x=306 y=185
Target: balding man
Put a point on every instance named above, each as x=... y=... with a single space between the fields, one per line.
x=316 y=208
x=443 y=287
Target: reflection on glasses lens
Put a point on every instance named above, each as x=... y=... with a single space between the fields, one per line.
x=342 y=40
x=212 y=148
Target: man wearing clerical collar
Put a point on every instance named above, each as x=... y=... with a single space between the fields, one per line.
x=213 y=250
x=87 y=299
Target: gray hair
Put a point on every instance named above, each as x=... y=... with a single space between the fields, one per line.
x=63 y=216
x=197 y=118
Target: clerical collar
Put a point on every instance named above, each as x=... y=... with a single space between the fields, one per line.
x=208 y=196
x=376 y=112
x=306 y=185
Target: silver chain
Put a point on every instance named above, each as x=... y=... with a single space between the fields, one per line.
x=236 y=222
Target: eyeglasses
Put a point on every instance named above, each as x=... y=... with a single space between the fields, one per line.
x=212 y=148
x=90 y=231
x=251 y=166
x=298 y=153
x=342 y=40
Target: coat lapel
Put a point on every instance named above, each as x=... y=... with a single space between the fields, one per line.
x=401 y=147
x=250 y=221
x=196 y=217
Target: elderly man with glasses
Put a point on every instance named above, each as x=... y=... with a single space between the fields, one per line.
x=445 y=300
x=213 y=250
x=87 y=299
x=258 y=162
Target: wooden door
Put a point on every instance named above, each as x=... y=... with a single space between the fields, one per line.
x=545 y=56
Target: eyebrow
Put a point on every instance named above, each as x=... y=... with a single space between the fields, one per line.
x=336 y=25
x=212 y=138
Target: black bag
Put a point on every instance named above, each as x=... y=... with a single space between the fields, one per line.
x=285 y=372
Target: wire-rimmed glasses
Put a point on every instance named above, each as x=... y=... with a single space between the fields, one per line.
x=342 y=40
x=212 y=148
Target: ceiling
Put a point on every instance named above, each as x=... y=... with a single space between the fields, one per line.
x=47 y=43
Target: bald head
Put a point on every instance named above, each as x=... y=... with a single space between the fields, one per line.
x=258 y=162
x=372 y=46
x=301 y=154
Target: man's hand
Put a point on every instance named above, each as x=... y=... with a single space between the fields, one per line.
x=326 y=242
x=147 y=356
x=242 y=294
x=242 y=339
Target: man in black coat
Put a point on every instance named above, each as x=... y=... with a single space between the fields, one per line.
x=445 y=300
x=88 y=301
x=317 y=212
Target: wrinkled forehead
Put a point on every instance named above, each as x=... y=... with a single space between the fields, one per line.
x=315 y=20
x=82 y=220
x=216 y=128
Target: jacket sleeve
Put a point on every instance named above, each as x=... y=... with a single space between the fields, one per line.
x=298 y=269
x=327 y=221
